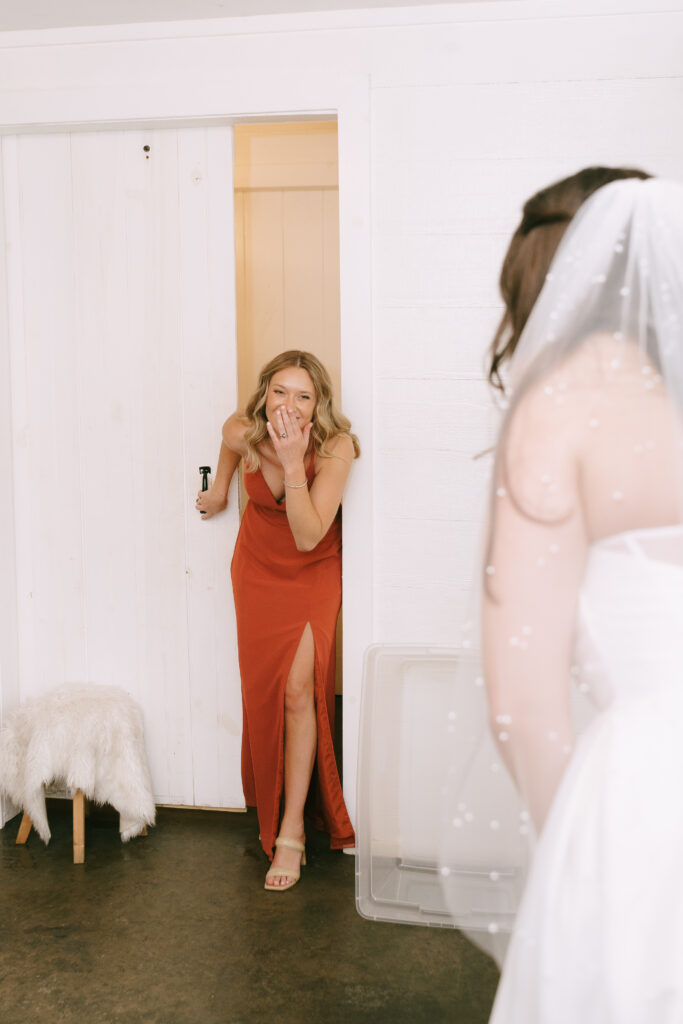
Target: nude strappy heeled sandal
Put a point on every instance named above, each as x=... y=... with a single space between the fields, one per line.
x=290 y=844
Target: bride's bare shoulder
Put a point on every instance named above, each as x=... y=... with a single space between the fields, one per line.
x=551 y=428
x=544 y=436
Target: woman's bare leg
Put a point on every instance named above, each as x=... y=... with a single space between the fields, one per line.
x=300 y=746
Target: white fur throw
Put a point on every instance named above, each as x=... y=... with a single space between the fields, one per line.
x=88 y=736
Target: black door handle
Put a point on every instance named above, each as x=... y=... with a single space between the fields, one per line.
x=205 y=470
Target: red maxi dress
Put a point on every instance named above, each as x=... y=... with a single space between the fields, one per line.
x=277 y=590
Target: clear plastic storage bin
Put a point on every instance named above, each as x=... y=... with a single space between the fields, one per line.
x=424 y=727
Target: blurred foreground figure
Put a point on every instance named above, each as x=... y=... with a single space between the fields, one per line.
x=583 y=582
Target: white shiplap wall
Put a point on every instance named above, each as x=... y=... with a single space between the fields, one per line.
x=451 y=116
x=453 y=163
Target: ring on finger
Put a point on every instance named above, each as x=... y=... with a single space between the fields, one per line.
x=283 y=435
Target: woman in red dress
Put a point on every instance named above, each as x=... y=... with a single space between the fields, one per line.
x=297 y=450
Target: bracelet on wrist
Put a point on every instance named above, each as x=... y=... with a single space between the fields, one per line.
x=296 y=487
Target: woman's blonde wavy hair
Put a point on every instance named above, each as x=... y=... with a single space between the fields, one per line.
x=328 y=421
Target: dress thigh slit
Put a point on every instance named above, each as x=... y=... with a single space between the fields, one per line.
x=278 y=591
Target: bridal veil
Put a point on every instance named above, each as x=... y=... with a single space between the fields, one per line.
x=589 y=448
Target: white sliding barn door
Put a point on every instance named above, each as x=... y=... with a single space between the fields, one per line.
x=120 y=263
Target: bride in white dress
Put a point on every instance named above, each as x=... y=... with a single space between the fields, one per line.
x=583 y=583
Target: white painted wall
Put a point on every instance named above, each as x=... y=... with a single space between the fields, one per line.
x=448 y=118
x=32 y=14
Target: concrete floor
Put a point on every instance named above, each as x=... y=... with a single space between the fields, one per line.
x=175 y=928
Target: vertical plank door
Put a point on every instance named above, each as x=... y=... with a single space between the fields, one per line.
x=122 y=343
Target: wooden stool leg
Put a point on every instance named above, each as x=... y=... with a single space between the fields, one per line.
x=79 y=827
x=24 y=829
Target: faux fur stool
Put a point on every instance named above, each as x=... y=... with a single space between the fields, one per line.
x=90 y=738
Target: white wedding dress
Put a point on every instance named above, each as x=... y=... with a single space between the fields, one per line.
x=599 y=934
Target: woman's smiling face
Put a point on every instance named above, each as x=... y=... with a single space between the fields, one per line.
x=291 y=389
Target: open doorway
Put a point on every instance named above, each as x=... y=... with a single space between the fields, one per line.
x=286 y=183
x=287 y=245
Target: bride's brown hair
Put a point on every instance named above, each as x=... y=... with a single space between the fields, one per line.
x=328 y=421
x=545 y=218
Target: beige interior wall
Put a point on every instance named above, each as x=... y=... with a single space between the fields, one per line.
x=287 y=250
x=287 y=241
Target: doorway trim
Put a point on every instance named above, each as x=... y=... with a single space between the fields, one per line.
x=93 y=107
